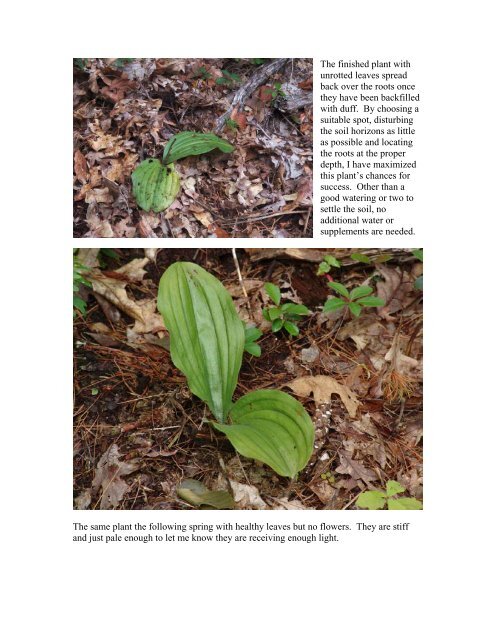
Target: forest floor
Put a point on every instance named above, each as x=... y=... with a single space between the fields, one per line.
x=125 y=110
x=138 y=431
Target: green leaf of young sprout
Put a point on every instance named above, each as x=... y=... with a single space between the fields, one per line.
x=252 y=334
x=371 y=500
x=408 y=504
x=339 y=288
x=361 y=257
x=360 y=292
x=79 y=304
x=274 y=313
x=295 y=309
x=333 y=304
x=272 y=427
x=323 y=267
x=418 y=283
x=206 y=334
x=195 y=493
x=371 y=301
x=273 y=292
x=291 y=328
x=333 y=262
x=277 y=325
x=154 y=185
x=393 y=488
x=193 y=143
x=253 y=348
x=418 y=253
x=355 y=309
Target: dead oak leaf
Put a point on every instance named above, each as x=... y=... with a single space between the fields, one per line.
x=246 y=496
x=80 y=167
x=112 y=286
x=355 y=469
x=108 y=477
x=322 y=388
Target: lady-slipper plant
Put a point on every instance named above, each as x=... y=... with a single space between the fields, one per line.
x=207 y=340
x=155 y=183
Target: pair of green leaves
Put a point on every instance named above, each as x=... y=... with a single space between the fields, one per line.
x=283 y=316
x=251 y=335
x=355 y=300
x=378 y=499
x=207 y=340
x=155 y=184
x=326 y=264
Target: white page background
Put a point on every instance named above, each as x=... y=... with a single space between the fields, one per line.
x=430 y=582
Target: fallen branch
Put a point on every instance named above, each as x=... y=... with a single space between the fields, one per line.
x=259 y=77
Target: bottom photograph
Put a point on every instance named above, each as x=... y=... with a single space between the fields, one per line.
x=271 y=379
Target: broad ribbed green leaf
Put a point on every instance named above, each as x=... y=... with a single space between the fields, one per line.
x=206 y=334
x=273 y=427
x=192 y=143
x=154 y=185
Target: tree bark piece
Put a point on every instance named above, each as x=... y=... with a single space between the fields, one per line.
x=259 y=77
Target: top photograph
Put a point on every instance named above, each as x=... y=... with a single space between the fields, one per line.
x=193 y=148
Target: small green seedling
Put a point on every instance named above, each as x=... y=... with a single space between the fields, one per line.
x=418 y=283
x=354 y=300
x=228 y=79
x=378 y=499
x=327 y=263
x=275 y=91
x=202 y=73
x=232 y=124
x=78 y=280
x=361 y=257
x=121 y=62
x=251 y=335
x=283 y=316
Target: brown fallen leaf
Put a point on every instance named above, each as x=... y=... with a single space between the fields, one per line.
x=80 y=167
x=108 y=477
x=246 y=496
x=355 y=469
x=83 y=500
x=289 y=505
x=322 y=388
